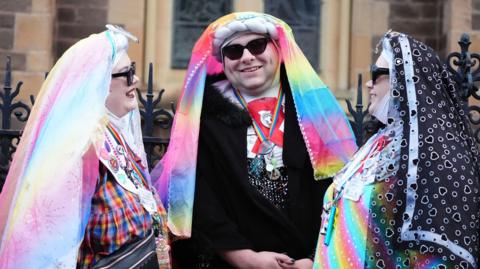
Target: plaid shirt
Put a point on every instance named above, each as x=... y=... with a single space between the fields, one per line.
x=117 y=217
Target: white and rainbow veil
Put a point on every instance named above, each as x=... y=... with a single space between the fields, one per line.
x=325 y=128
x=45 y=203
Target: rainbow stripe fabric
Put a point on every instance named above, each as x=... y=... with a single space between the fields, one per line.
x=46 y=198
x=348 y=243
x=325 y=128
x=354 y=229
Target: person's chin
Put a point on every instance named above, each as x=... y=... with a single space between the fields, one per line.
x=254 y=89
x=253 y=83
x=128 y=106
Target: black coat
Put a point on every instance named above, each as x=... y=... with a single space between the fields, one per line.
x=231 y=214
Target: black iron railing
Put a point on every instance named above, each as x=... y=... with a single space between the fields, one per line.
x=153 y=117
x=464 y=66
x=363 y=125
x=9 y=137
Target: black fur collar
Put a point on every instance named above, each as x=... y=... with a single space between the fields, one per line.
x=215 y=105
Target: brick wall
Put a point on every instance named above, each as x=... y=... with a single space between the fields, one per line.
x=76 y=20
x=35 y=33
x=8 y=9
x=26 y=35
x=422 y=19
x=476 y=15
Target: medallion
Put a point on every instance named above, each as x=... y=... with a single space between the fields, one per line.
x=275 y=174
x=266 y=147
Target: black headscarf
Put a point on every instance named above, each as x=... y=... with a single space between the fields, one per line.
x=431 y=210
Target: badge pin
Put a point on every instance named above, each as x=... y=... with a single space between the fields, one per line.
x=107 y=146
x=265 y=118
x=120 y=150
x=113 y=164
x=266 y=147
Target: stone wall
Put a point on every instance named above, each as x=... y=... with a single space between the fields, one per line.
x=476 y=15
x=35 y=33
x=8 y=10
x=26 y=35
x=76 y=20
x=421 y=19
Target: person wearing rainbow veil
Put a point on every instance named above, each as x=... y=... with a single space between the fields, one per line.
x=253 y=129
x=78 y=192
x=409 y=198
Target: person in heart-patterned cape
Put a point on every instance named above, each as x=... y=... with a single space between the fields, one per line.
x=409 y=198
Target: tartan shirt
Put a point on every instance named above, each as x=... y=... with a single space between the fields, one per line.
x=116 y=218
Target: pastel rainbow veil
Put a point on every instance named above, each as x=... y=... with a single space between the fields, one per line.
x=45 y=202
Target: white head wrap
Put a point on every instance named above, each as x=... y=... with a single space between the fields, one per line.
x=228 y=32
x=120 y=38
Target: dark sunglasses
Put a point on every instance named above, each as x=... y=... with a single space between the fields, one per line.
x=129 y=74
x=377 y=72
x=255 y=47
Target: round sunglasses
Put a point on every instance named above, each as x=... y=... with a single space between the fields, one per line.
x=376 y=72
x=129 y=74
x=255 y=47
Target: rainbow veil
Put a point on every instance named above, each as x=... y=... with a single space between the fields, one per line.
x=325 y=128
x=45 y=202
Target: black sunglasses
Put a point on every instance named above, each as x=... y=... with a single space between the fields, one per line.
x=377 y=72
x=255 y=47
x=129 y=74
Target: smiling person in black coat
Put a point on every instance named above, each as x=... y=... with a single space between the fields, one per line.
x=264 y=137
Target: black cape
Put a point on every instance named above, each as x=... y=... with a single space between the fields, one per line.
x=228 y=212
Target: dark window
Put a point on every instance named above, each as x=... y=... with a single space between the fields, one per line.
x=304 y=18
x=190 y=19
